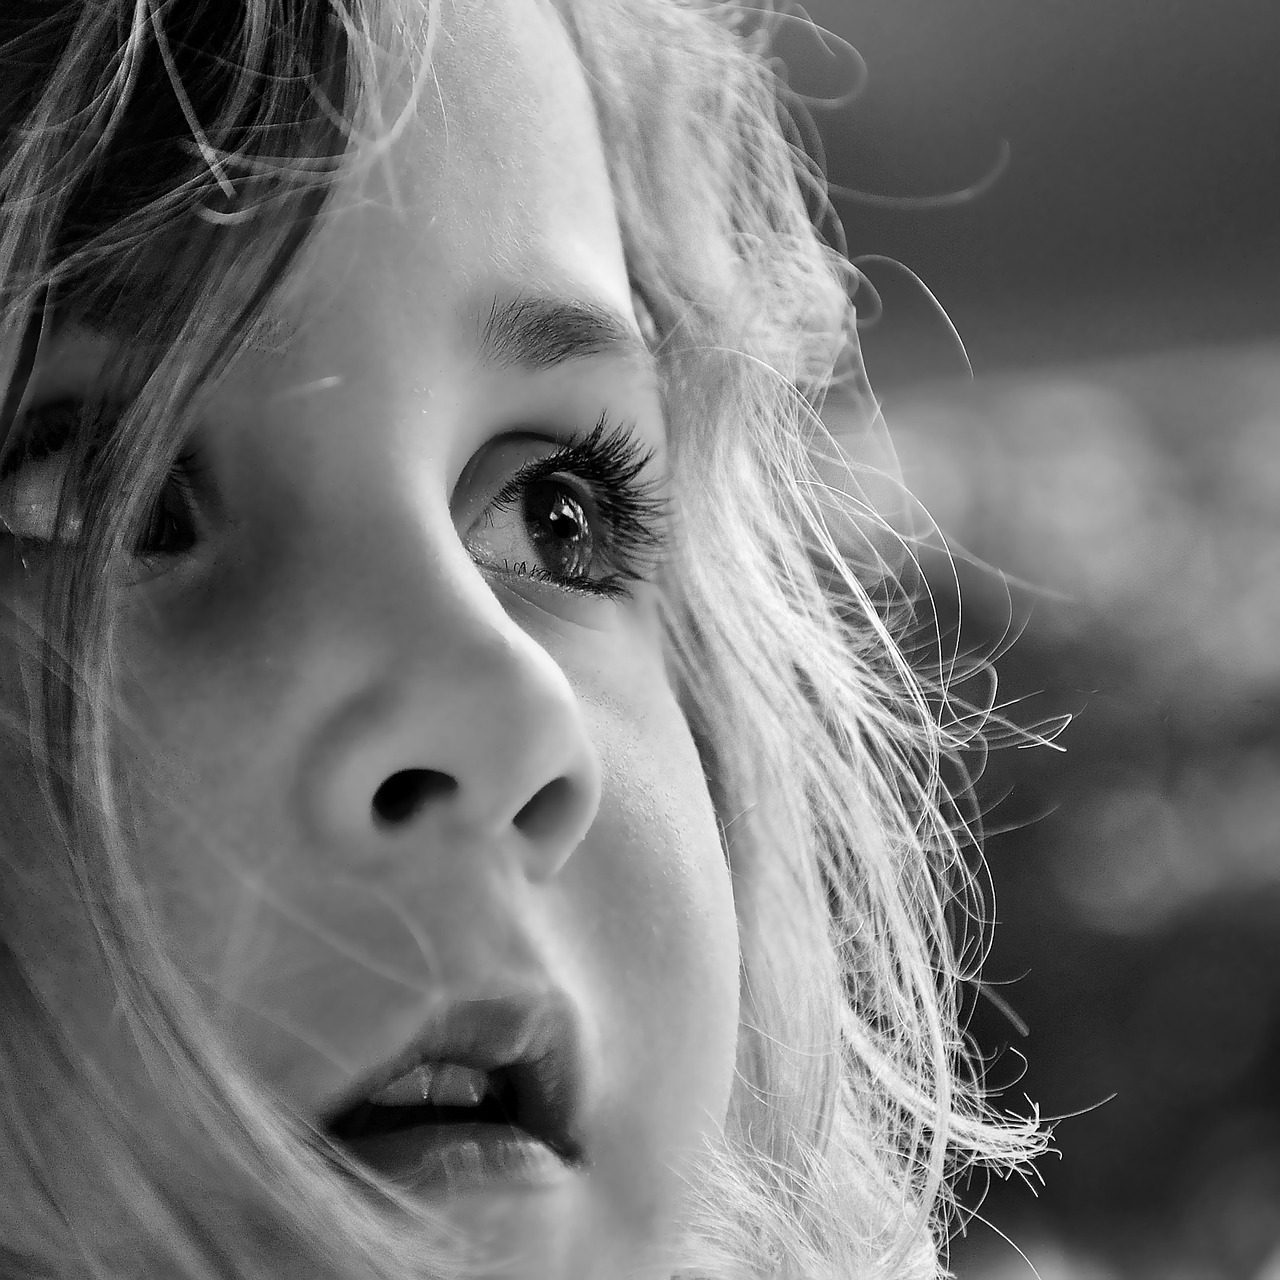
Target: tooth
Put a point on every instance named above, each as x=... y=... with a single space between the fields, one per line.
x=408 y=1090
x=446 y=1084
x=454 y=1085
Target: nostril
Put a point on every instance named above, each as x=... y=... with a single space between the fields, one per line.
x=404 y=795
x=546 y=814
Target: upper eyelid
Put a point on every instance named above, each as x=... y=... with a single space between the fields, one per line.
x=20 y=433
x=74 y=361
x=470 y=492
x=477 y=486
x=14 y=448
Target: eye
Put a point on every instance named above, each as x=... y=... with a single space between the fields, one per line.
x=590 y=516
x=171 y=528
x=33 y=476
x=547 y=527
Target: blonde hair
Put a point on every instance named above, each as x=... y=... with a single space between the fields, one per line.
x=857 y=1098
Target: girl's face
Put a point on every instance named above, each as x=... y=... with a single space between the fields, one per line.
x=393 y=746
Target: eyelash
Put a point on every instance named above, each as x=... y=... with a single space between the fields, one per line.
x=610 y=463
x=635 y=513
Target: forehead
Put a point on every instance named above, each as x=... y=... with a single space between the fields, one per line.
x=491 y=179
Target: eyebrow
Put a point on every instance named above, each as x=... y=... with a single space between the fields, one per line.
x=529 y=331
x=535 y=333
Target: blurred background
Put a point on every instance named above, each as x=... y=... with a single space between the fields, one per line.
x=1091 y=191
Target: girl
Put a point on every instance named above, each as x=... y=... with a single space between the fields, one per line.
x=464 y=815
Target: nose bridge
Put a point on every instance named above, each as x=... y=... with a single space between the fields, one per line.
x=445 y=723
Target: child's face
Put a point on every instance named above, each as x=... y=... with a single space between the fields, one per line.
x=337 y=622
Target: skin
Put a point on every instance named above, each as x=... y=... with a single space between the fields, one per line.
x=340 y=621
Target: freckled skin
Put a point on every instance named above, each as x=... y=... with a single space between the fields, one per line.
x=333 y=628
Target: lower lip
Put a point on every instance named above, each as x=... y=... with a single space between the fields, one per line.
x=454 y=1159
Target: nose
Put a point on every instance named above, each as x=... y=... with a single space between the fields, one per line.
x=453 y=726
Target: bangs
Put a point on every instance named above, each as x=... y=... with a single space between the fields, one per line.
x=146 y=151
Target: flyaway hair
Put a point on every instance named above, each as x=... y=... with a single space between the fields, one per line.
x=162 y=165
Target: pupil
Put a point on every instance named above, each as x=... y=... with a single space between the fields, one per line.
x=565 y=518
x=560 y=530
x=170 y=530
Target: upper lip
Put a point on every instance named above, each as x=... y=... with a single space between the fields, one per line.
x=533 y=1038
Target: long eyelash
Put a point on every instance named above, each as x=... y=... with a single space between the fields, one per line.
x=636 y=511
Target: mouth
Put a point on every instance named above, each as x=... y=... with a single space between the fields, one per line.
x=488 y=1092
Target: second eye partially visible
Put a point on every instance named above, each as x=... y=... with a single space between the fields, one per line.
x=33 y=475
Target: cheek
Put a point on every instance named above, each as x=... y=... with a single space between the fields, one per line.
x=40 y=917
x=44 y=919
x=663 y=951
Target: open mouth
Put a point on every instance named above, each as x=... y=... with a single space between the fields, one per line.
x=370 y=1119
x=488 y=1093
